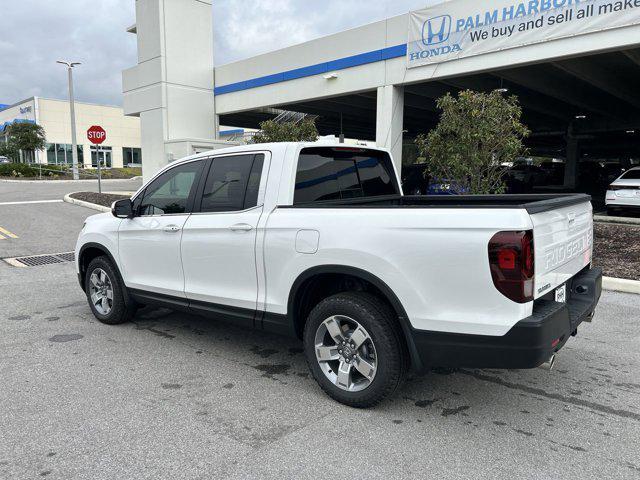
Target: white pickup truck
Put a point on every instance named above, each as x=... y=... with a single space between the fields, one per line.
x=318 y=241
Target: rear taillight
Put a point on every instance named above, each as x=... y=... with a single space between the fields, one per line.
x=512 y=264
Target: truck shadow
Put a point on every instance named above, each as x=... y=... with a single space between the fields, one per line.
x=446 y=393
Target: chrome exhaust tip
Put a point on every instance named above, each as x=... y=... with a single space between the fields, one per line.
x=548 y=365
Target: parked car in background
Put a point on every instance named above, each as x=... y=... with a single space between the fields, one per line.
x=624 y=193
x=4 y=159
x=415 y=179
x=319 y=242
x=592 y=177
x=554 y=172
x=522 y=177
x=612 y=171
x=445 y=187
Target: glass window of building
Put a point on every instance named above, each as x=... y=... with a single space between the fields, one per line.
x=105 y=156
x=131 y=156
x=61 y=154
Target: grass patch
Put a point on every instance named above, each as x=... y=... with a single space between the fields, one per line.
x=29 y=171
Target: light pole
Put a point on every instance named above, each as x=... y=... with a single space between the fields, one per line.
x=74 y=144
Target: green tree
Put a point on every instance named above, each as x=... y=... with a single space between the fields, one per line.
x=270 y=131
x=9 y=150
x=476 y=133
x=27 y=137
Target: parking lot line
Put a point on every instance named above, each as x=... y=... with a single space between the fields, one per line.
x=30 y=202
x=4 y=234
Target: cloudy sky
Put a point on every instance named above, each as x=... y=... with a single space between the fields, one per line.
x=36 y=33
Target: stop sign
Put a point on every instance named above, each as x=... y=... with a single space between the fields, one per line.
x=96 y=134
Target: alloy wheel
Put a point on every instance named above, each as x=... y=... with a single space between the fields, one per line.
x=101 y=291
x=345 y=353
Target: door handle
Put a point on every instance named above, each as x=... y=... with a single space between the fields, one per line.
x=172 y=228
x=241 y=227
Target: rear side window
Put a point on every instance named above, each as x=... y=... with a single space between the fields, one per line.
x=232 y=183
x=335 y=173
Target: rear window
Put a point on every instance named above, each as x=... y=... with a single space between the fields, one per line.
x=632 y=175
x=336 y=173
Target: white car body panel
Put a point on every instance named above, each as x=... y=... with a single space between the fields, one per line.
x=563 y=242
x=435 y=260
x=149 y=252
x=101 y=229
x=624 y=197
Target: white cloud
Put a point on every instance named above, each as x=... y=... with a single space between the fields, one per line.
x=36 y=33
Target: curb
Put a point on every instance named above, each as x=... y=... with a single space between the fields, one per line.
x=622 y=220
x=621 y=285
x=67 y=198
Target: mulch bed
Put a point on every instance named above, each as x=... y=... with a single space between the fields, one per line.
x=104 y=199
x=617 y=250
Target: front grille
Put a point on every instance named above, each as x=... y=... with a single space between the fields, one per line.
x=40 y=260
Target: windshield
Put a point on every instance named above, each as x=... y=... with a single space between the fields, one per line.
x=631 y=175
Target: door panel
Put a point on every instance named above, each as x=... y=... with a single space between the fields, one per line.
x=218 y=252
x=218 y=243
x=150 y=253
x=149 y=244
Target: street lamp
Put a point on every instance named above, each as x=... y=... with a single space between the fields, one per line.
x=74 y=144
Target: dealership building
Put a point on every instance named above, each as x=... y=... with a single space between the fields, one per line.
x=121 y=148
x=573 y=64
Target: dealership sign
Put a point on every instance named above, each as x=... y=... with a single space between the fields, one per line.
x=463 y=28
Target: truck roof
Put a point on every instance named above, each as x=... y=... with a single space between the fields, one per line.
x=253 y=147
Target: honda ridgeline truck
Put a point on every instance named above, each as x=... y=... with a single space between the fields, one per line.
x=318 y=242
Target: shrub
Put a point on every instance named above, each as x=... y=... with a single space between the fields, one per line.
x=477 y=132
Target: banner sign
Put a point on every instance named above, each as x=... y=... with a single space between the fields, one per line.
x=463 y=28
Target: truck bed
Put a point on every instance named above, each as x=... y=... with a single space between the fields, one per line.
x=535 y=203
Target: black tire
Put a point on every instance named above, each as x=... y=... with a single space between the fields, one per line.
x=381 y=324
x=122 y=309
x=613 y=212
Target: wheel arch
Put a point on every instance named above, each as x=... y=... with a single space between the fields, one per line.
x=87 y=253
x=304 y=283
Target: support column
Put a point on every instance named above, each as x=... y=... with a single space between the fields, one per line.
x=171 y=88
x=389 y=121
x=571 y=163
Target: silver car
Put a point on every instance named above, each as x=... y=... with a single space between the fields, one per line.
x=624 y=192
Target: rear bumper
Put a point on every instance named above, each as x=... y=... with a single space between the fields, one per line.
x=529 y=344
x=613 y=200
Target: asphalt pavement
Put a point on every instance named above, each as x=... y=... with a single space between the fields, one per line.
x=29 y=190
x=172 y=396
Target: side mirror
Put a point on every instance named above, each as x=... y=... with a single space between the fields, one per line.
x=122 y=208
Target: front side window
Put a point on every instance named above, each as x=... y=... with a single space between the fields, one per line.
x=232 y=183
x=335 y=173
x=170 y=192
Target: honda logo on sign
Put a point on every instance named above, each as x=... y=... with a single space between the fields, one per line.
x=436 y=30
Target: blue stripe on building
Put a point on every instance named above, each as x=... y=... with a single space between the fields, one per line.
x=317 y=69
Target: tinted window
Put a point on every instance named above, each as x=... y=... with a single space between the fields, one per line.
x=326 y=173
x=169 y=193
x=632 y=175
x=232 y=183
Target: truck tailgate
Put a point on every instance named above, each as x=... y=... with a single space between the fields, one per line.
x=563 y=244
